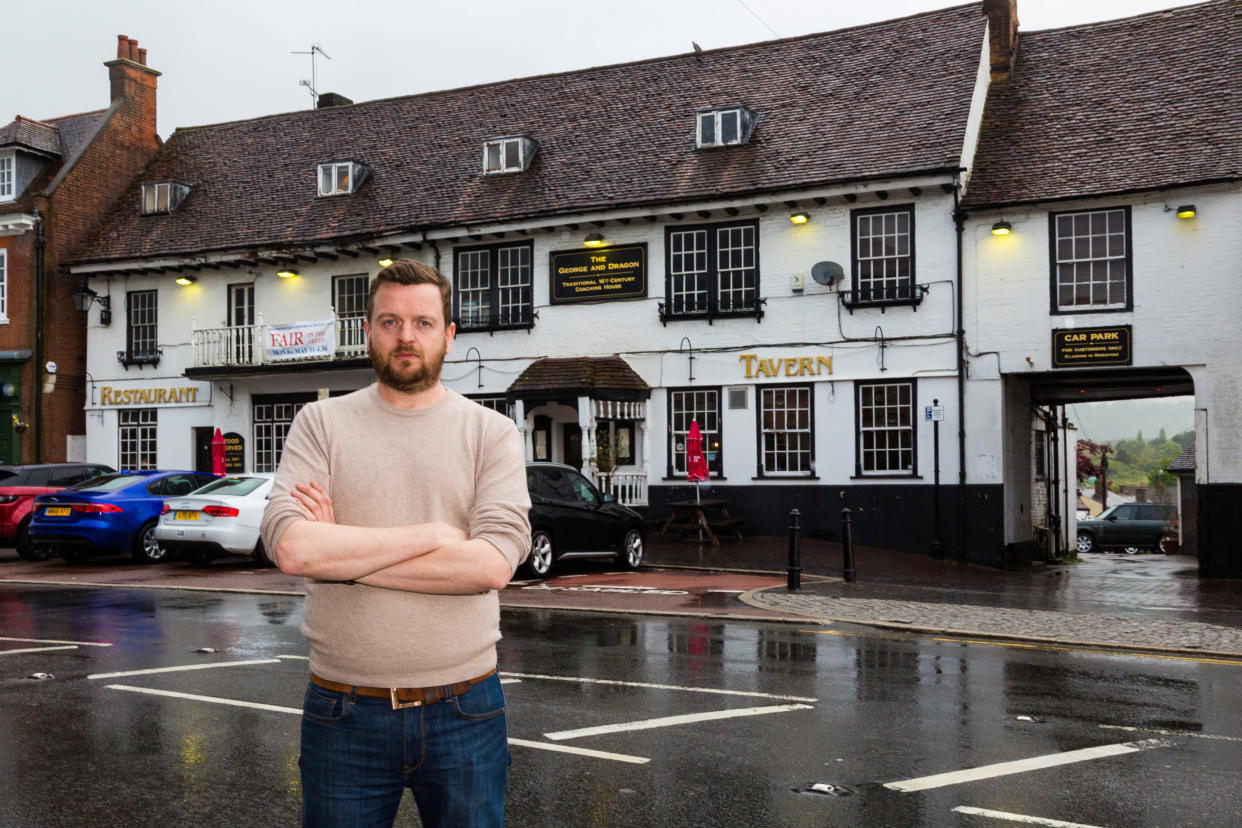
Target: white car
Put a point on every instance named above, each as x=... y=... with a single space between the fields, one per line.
x=219 y=518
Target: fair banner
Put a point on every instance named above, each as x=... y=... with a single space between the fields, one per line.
x=301 y=340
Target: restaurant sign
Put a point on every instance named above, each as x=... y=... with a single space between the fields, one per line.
x=602 y=273
x=169 y=393
x=1084 y=347
x=234 y=453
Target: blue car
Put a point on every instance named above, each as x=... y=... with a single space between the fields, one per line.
x=111 y=513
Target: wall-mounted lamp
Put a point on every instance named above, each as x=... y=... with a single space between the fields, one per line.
x=1186 y=211
x=286 y=274
x=386 y=262
x=1002 y=228
x=186 y=279
x=799 y=218
x=594 y=240
x=83 y=297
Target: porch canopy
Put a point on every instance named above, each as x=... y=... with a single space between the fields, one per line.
x=597 y=378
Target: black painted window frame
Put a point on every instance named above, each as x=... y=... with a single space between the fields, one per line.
x=907 y=291
x=1054 y=261
x=761 y=470
x=673 y=308
x=715 y=466
x=524 y=318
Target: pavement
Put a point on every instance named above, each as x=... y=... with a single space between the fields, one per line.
x=1146 y=602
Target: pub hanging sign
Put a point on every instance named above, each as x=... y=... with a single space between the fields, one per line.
x=601 y=273
x=1086 y=347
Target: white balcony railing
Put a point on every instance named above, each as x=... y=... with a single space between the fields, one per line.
x=629 y=488
x=247 y=345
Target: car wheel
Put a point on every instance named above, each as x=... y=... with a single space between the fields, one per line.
x=200 y=557
x=631 y=554
x=26 y=547
x=539 y=563
x=146 y=548
x=1132 y=550
x=1086 y=543
x=74 y=555
x=259 y=555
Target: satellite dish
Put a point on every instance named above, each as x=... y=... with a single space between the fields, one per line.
x=827 y=273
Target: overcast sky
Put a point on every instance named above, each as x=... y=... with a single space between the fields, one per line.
x=224 y=60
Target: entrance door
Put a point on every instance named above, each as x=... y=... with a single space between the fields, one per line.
x=202 y=448
x=571 y=445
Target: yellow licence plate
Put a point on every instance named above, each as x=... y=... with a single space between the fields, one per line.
x=185 y=515
x=57 y=511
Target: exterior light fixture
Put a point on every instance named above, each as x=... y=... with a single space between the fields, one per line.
x=286 y=274
x=185 y=279
x=594 y=240
x=386 y=262
x=799 y=218
x=1002 y=228
x=1186 y=211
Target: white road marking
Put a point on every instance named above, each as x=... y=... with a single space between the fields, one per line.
x=510 y=681
x=184 y=668
x=192 y=697
x=52 y=641
x=1023 y=818
x=300 y=658
x=1188 y=733
x=649 y=686
x=729 y=591
x=1050 y=760
x=669 y=721
x=38 y=649
x=596 y=754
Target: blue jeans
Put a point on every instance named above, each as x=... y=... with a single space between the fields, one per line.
x=359 y=755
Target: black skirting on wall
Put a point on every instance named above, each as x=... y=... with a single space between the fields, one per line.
x=1220 y=530
x=890 y=516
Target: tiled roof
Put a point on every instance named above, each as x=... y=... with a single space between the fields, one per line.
x=23 y=132
x=600 y=378
x=1142 y=103
x=75 y=130
x=1185 y=461
x=880 y=100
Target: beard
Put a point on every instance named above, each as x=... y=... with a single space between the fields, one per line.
x=409 y=380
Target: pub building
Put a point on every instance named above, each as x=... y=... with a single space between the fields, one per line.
x=775 y=252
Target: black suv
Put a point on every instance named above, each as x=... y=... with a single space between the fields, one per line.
x=1127 y=526
x=570 y=518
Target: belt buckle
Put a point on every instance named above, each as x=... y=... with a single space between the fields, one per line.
x=398 y=705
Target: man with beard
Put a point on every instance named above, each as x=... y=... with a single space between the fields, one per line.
x=406 y=505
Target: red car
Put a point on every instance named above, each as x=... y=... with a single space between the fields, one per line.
x=18 y=487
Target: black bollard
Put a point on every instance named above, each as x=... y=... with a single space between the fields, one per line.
x=795 y=552
x=847 y=546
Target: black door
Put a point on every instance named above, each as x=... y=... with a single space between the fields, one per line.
x=202 y=448
x=571 y=445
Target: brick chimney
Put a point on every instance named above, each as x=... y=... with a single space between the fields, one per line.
x=133 y=82
x=1002 y=18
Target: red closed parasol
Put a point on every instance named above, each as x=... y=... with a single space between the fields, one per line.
x=217 y=453
x=696 y=460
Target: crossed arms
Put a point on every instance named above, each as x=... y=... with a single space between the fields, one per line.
x=433 y=558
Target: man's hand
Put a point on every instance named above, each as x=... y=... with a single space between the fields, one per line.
x=314 y=500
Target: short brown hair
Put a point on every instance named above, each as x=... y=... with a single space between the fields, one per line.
x=410 y=272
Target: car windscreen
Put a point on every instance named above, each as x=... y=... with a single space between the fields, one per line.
x=231 y=486
x=106 y=483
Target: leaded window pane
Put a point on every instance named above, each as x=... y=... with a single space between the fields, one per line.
x=786 y=438
x=1091 y=259
x=701 y=406
x=886 y=428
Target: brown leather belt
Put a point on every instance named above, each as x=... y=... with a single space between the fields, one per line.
x=404 y=696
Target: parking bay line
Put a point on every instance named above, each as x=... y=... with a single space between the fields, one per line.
x=184 y=668
x=650 y=686
x=38 y=649
x=54 y=641
x=669 y=721
x=1023 y=818
x=941 y=780
x=273 y=708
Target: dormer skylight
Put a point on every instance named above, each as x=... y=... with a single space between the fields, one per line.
x=162 y=196
x=723 y=126
x=341 y=177
x=507 y=155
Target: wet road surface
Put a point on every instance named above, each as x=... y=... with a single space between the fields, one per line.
x=619 y=720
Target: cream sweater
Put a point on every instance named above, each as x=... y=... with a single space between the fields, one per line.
x=456 y=462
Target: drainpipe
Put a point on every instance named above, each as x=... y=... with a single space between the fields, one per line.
x=959 y=221
x=40 y=244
